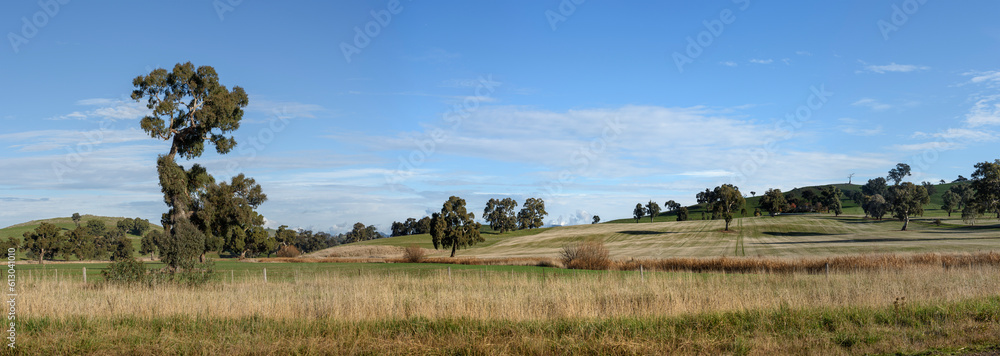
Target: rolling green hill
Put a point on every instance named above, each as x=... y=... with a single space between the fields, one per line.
x=67 y=224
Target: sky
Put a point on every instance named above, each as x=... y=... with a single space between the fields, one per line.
x=376 y=111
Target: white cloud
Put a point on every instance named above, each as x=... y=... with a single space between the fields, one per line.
x=872 y=104
x=986 y=111
x=934 y=145
x=729 y=64
x=891 y=67
x=963 y=135
x=761 y=61
x=983 y=77
x=110 y=109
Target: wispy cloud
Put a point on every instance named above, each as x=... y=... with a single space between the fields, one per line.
x=891 y=67
x=961 y=135
x=729 y=64
x=761 y=61
x=872 y=104
x=985 y=111
x=110 y=109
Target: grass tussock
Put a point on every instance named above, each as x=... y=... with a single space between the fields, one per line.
x=586 y=255
x=414 y=254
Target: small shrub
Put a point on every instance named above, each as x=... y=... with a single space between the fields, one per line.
x=288 y=251
x=937 y=222
x=125 y=272
x=586 y=255
x=414 y=254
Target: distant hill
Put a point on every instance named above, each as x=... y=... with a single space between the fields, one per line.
x=66 y=223
x=850 y=208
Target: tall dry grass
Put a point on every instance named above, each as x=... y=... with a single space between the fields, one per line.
x=507 y=296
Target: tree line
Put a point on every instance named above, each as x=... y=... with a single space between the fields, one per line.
x=91 y=241
x=499 y=213
x=902 y=200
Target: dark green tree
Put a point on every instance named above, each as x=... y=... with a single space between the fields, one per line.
x=81 y=244
x=965 y=194
x=46 y=240
x=147 y=245
x=951 y=202
x=682 y=214
x=597 y=219
x=907 y=199
x=10 y=243
x=398 y=229
x=773 y=202
x=672 y=205
x=181 y=248
x=725 y=200
x=876 y=206
x=830 y=196
x=896 y=175
x=455 y=227
x=532 y=214
x=653 y=209
x=875 y=186
x=126 y=225
x=500 y=214
x=986 y=183
x=638 y=212
x=423 y=225
x=76 y=219
x=931 y=188
x=226 y=214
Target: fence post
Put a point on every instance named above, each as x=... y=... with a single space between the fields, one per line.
x=85 y=275
x=232 y=276
x=828 y=269
x=265 y=275
x=642 y=273
x=449 y=272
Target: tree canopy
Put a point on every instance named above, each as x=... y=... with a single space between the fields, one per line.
x=653 y=209
x=455 y=227
x=638 y=212
x=725 y=200
x=773 y=202
x=896 y=175
x=532 y=214
x=907 y=199
x=500 y=214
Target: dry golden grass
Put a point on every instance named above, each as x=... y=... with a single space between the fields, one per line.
x=508 y=296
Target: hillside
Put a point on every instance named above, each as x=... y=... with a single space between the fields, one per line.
x=850 y=208
x=66 y=224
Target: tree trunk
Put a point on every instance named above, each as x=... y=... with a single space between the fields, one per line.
x=243 y=254
x=454 y=246
x=40 y=256
x=727 y=225
x=201 y=259
x=906 y=221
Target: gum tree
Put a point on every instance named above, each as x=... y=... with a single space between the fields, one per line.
x=653 y=209
x=189 y=107
x=44 y=240
x=454 y=226
x=907 y=199
x=724 y=200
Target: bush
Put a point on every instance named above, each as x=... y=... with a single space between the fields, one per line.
x=288 y=251
x=586 y=255
x=125 y=272
x=414 y=254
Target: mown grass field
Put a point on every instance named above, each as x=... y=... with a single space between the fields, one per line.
x=806 y=235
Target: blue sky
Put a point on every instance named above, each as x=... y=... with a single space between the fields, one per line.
x=592 y=106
